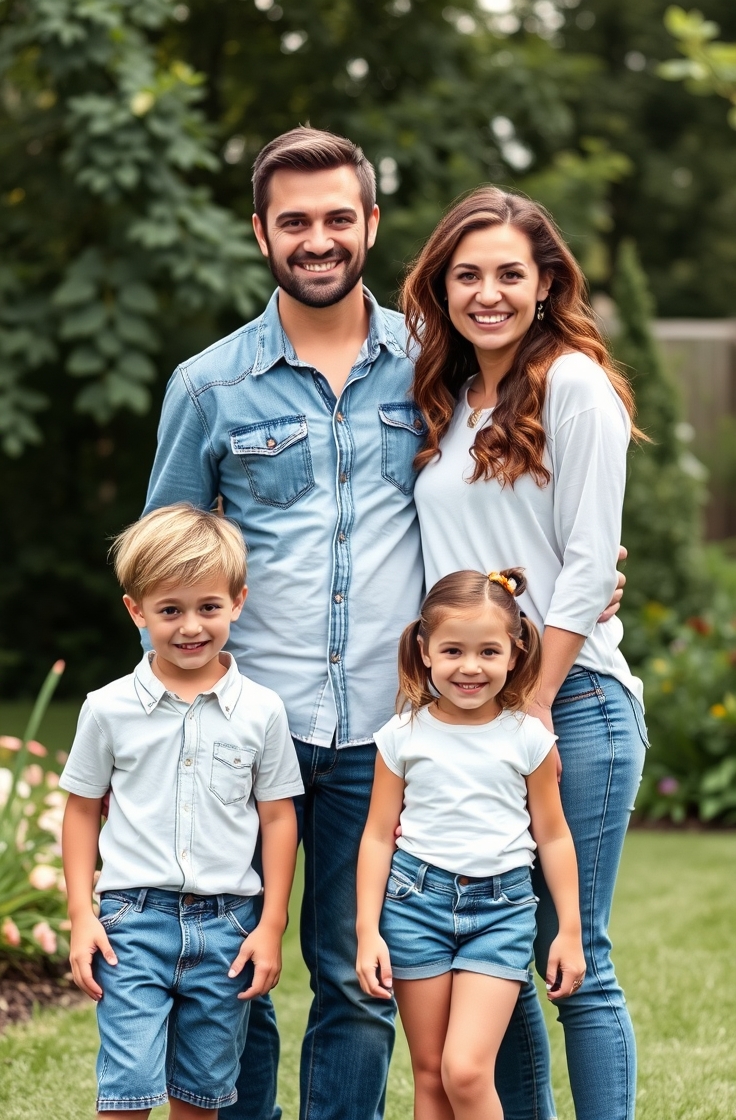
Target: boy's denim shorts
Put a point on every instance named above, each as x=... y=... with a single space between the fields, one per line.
x=169 y=1019
x=435 y=922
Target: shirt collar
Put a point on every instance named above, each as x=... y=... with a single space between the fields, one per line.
x=273 y=344
x=150 y=690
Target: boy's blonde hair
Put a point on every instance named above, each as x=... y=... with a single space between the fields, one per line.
x=179 y=544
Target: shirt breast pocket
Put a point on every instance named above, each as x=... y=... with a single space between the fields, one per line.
x=276 y=458
x=232 y=772
x=403 y=432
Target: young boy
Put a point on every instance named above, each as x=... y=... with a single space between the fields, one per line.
x=195 y=756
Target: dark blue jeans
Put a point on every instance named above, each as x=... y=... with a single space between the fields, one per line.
x=349 y=1038
x=602 y=740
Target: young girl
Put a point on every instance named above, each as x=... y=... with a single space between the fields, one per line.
x=474 y=774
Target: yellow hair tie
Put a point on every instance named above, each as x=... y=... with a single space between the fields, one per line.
x=509 y=585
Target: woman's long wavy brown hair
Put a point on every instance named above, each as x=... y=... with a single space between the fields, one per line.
x=514 y=444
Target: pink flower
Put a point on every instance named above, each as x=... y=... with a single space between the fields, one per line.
x=10 y=742
x=52 y=779
x=10 y=933
x=45 y=936
x=33 y=774
x=62 y=756
x=37 y=748
x=43 y=877
x=668 y=786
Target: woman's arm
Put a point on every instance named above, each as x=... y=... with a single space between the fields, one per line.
x=79 y=836
x=374 y=863
x=566 y=962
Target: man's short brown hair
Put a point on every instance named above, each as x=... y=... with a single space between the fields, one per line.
x=310 y=149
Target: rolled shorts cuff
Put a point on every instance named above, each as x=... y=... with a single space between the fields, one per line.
x=423 y=971
x=203 y=1102
x=486 y=968
x=130 y=1104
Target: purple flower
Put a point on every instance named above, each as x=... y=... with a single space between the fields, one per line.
x=668 y=786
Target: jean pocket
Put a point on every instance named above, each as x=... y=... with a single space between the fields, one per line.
x=276 y=458
x=112 y=912
x=235 y=922
x=399 y=886
x=403 y=432
x=232 y=772
x=519 y=894
x=641 y=725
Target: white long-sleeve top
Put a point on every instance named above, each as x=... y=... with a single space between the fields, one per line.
x=565 y=534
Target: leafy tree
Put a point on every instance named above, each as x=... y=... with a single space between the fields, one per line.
x=708 y=66
x=665 y=491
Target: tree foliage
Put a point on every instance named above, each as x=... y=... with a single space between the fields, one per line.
x=708 y=66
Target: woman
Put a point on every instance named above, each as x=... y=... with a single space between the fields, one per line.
x=525 y=463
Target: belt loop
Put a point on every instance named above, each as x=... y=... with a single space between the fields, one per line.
x=140 y=901
x=496 y=887
x=221 y=906
x=419 y=884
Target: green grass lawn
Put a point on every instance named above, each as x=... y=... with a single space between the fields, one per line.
x=674 y=932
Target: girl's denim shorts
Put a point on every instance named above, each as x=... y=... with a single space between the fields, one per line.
x=434 y=921
x=170 y=1022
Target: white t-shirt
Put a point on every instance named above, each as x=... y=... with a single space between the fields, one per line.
x=566 y=534
x=465 y=795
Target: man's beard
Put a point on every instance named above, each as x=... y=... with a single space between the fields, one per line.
x=319 y=290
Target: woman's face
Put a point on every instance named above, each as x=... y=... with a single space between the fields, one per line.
x=493 y=286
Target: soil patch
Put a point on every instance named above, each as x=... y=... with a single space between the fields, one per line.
x=23 y=987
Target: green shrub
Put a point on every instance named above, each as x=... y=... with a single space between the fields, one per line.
x=690 y=693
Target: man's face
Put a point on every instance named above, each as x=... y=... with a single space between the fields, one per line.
x=316 y=235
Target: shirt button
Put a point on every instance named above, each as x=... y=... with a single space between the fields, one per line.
x=343 y=478
x=236 y=762
x=341 y=537
x=187 y=762
x=418 y=424
x=340 y=417
x=334 y=658
x=338 y=598
x=270 y=443
x=184 y=854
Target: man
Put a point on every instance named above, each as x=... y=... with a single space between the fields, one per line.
x=302 y=423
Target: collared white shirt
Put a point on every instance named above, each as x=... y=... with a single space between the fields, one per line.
x=185 y=779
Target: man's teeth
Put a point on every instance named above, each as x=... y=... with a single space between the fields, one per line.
x=321 y=266
x=500 y=318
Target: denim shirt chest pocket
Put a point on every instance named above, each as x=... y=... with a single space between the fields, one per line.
x=232 y=772
x=275 y=456
x=403 y=431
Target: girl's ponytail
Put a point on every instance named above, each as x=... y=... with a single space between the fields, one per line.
x=414 y=676
x=522 y=682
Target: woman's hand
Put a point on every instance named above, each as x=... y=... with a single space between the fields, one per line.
x=614 y=605
x=565 y=966
x=543 y=713
x=373 y=961
x=88 y=937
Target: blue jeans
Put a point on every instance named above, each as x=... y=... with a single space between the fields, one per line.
x=602 y=741
x=170 y=1022
x=350 y=1036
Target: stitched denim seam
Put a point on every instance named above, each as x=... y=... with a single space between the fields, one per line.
x=614 y=1010
x=317 y=987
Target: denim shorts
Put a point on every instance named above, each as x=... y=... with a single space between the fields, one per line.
x=170 y=1021
x=434 y=921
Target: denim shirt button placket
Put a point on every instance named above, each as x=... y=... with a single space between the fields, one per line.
x=341 y=576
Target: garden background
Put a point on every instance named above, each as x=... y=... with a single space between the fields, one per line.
x=127 y=134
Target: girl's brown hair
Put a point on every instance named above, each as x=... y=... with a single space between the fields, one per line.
x=514 y=444
x=463 y=593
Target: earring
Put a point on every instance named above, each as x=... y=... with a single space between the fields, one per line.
x=540 y=311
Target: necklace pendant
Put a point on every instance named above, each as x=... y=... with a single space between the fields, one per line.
x=474 y=417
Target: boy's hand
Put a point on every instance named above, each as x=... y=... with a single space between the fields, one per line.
x=565 y=967
x=263 y=947
x=374 y=961
x=87 y=937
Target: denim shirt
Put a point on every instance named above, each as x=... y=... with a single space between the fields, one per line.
x=321 y=488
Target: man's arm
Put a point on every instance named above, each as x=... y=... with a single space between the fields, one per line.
x=79 y=837
x=185 y=468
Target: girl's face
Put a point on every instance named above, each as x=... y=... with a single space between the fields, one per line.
x=470 y=656
x=493 y=286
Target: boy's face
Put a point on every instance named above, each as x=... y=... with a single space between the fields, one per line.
x=188 y=626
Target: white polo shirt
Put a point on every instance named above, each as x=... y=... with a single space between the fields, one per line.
x=185 y=779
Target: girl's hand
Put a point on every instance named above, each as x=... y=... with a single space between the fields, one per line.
x=567 y=964
x=374 y=961
x=87 y=937
x=263 y=947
